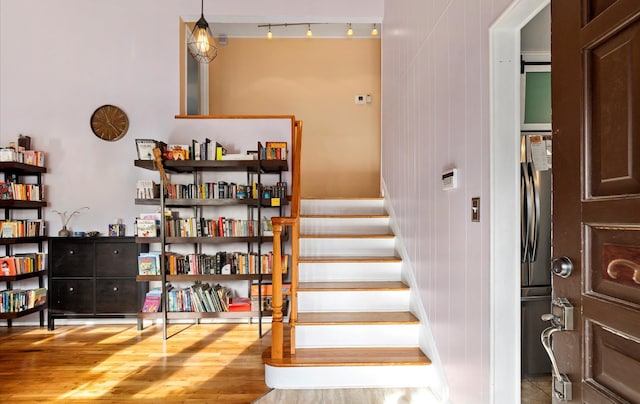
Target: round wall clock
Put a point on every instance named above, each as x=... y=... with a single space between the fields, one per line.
x=109 y=122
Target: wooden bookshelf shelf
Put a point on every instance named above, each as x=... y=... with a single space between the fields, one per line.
x=13 y=278
x=22 y=240
x=18 y=314
x=18 y=204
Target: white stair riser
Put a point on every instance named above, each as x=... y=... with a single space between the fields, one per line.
x=356 y=335
x=328 y=377
x=348 y=247
x=342 y=207
x=332 y=225
x=349 y=271
x=346 y=301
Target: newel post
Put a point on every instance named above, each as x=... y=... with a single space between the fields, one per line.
x=277 y=329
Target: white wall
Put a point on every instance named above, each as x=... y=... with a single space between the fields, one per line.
x=59 y=60
x=435 y=116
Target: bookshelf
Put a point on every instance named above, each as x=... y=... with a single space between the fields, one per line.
x=23 y=230
x=247 y=211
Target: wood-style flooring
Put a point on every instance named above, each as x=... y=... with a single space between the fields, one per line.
x=199 y=363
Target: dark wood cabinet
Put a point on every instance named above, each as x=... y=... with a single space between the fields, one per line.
x=94 y=277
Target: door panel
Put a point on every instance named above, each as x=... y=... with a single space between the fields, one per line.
x=596 y=221
x=612 y=69
x=613 y=261
x=613 y=363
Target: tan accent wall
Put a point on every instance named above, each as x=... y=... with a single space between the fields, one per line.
x=317 y=81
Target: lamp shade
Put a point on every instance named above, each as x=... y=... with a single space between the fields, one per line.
x=201 y=44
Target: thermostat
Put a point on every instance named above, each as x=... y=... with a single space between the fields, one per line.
x=450 y=179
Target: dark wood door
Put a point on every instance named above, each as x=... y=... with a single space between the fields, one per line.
x=596 y=210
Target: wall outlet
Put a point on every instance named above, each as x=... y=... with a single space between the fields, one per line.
x=360 y=99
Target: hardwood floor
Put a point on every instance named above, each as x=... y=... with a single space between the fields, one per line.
x=219 y=363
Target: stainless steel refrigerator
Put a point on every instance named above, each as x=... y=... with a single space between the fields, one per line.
x=535 y=297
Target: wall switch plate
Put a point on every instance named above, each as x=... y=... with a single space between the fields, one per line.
x=475 y=209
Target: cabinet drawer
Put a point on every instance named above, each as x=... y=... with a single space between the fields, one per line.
x=116 y=259
x=117 y=296
x=71 y=296
x=71 y=259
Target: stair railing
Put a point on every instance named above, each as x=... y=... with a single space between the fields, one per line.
x=293 y=222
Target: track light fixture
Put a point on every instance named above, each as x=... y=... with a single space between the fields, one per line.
x=350 y=30
x=309 y=32
x=201 y=44
x=269 y=34
x=374 y=31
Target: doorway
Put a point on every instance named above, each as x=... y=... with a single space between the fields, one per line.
x=505 y=198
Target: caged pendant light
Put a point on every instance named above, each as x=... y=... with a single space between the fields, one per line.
x=201 y=44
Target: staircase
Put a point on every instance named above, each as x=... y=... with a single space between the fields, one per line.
x=354 y=326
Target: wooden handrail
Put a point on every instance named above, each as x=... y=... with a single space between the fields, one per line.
x=293 y=221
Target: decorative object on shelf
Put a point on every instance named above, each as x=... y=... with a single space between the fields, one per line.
x=116 y=229
x=200 y=43
x=64 y=232
x=109 y=123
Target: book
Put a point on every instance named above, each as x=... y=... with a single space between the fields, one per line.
x=145 y=148
x=149 y=263
x=179 y=151
x=146 y=228
x=7 y=266
x=152 y=301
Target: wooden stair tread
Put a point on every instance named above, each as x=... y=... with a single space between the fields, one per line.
x=308 y=357
x=338 y=235
x=337 y=258
x=385 y=317
x=357 y=285
x=337 y=198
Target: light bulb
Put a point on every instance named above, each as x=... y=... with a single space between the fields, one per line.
x=269 y=34
x=350 y=31
x=202 y=42
x=374 y=31
x=309 y=33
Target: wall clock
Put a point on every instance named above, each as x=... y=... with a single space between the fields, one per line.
x=109 y=122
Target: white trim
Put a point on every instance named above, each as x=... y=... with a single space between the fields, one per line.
x=504 y=48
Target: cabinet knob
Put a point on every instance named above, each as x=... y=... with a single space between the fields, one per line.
x=71 y=289
x=115 y=288
x=116 y=252
x=71 y=252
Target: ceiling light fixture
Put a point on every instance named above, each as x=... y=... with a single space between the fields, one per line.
x=269 y=34
x=374 y=31
x=309 y=33
x=201 y=44
x=350 y=30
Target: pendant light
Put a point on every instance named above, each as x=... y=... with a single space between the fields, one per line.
x=269 y=34
x=309 y=32
x=374 y=31
x=201 y=44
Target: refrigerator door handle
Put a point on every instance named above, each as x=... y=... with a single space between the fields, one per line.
x=525 y=213
x=535 y=232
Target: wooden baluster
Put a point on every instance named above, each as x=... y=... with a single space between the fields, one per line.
x=277 y=330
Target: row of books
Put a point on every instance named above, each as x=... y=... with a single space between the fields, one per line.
x=23 y=263
x=20 y=192
x=22 y=228
x=147 y=189
x=274 y=151
x=17 y=300
x=207 y=150
x=218 y=190
x=200 y=297
x=220 y=263
x=31 y=157
x=202 y=227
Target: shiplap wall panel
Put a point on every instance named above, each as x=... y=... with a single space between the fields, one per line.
x=435 y=117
